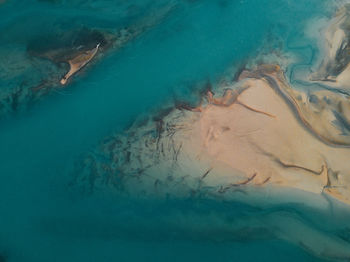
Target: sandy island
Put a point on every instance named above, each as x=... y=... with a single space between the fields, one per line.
x=79 y=62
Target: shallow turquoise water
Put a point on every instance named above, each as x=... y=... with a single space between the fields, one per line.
x=42 y=218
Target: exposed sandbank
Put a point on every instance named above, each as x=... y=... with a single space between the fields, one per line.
x=257 y=143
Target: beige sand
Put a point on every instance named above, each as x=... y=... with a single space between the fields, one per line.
x=78 y=63
x=259 y=132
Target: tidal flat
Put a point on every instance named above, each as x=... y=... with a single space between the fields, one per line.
x=174 y=130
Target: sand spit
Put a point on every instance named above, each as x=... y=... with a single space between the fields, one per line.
x=79 y=62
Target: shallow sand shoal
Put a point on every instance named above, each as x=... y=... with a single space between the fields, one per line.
x=253 y=144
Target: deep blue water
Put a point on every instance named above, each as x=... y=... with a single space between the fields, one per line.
x=41 y=218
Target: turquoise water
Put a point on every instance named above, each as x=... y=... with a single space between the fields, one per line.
x=42 y=218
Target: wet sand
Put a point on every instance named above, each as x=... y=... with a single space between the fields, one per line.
x=259 y=133
x=269 y=138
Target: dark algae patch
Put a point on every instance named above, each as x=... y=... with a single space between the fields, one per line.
x=62 y=47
